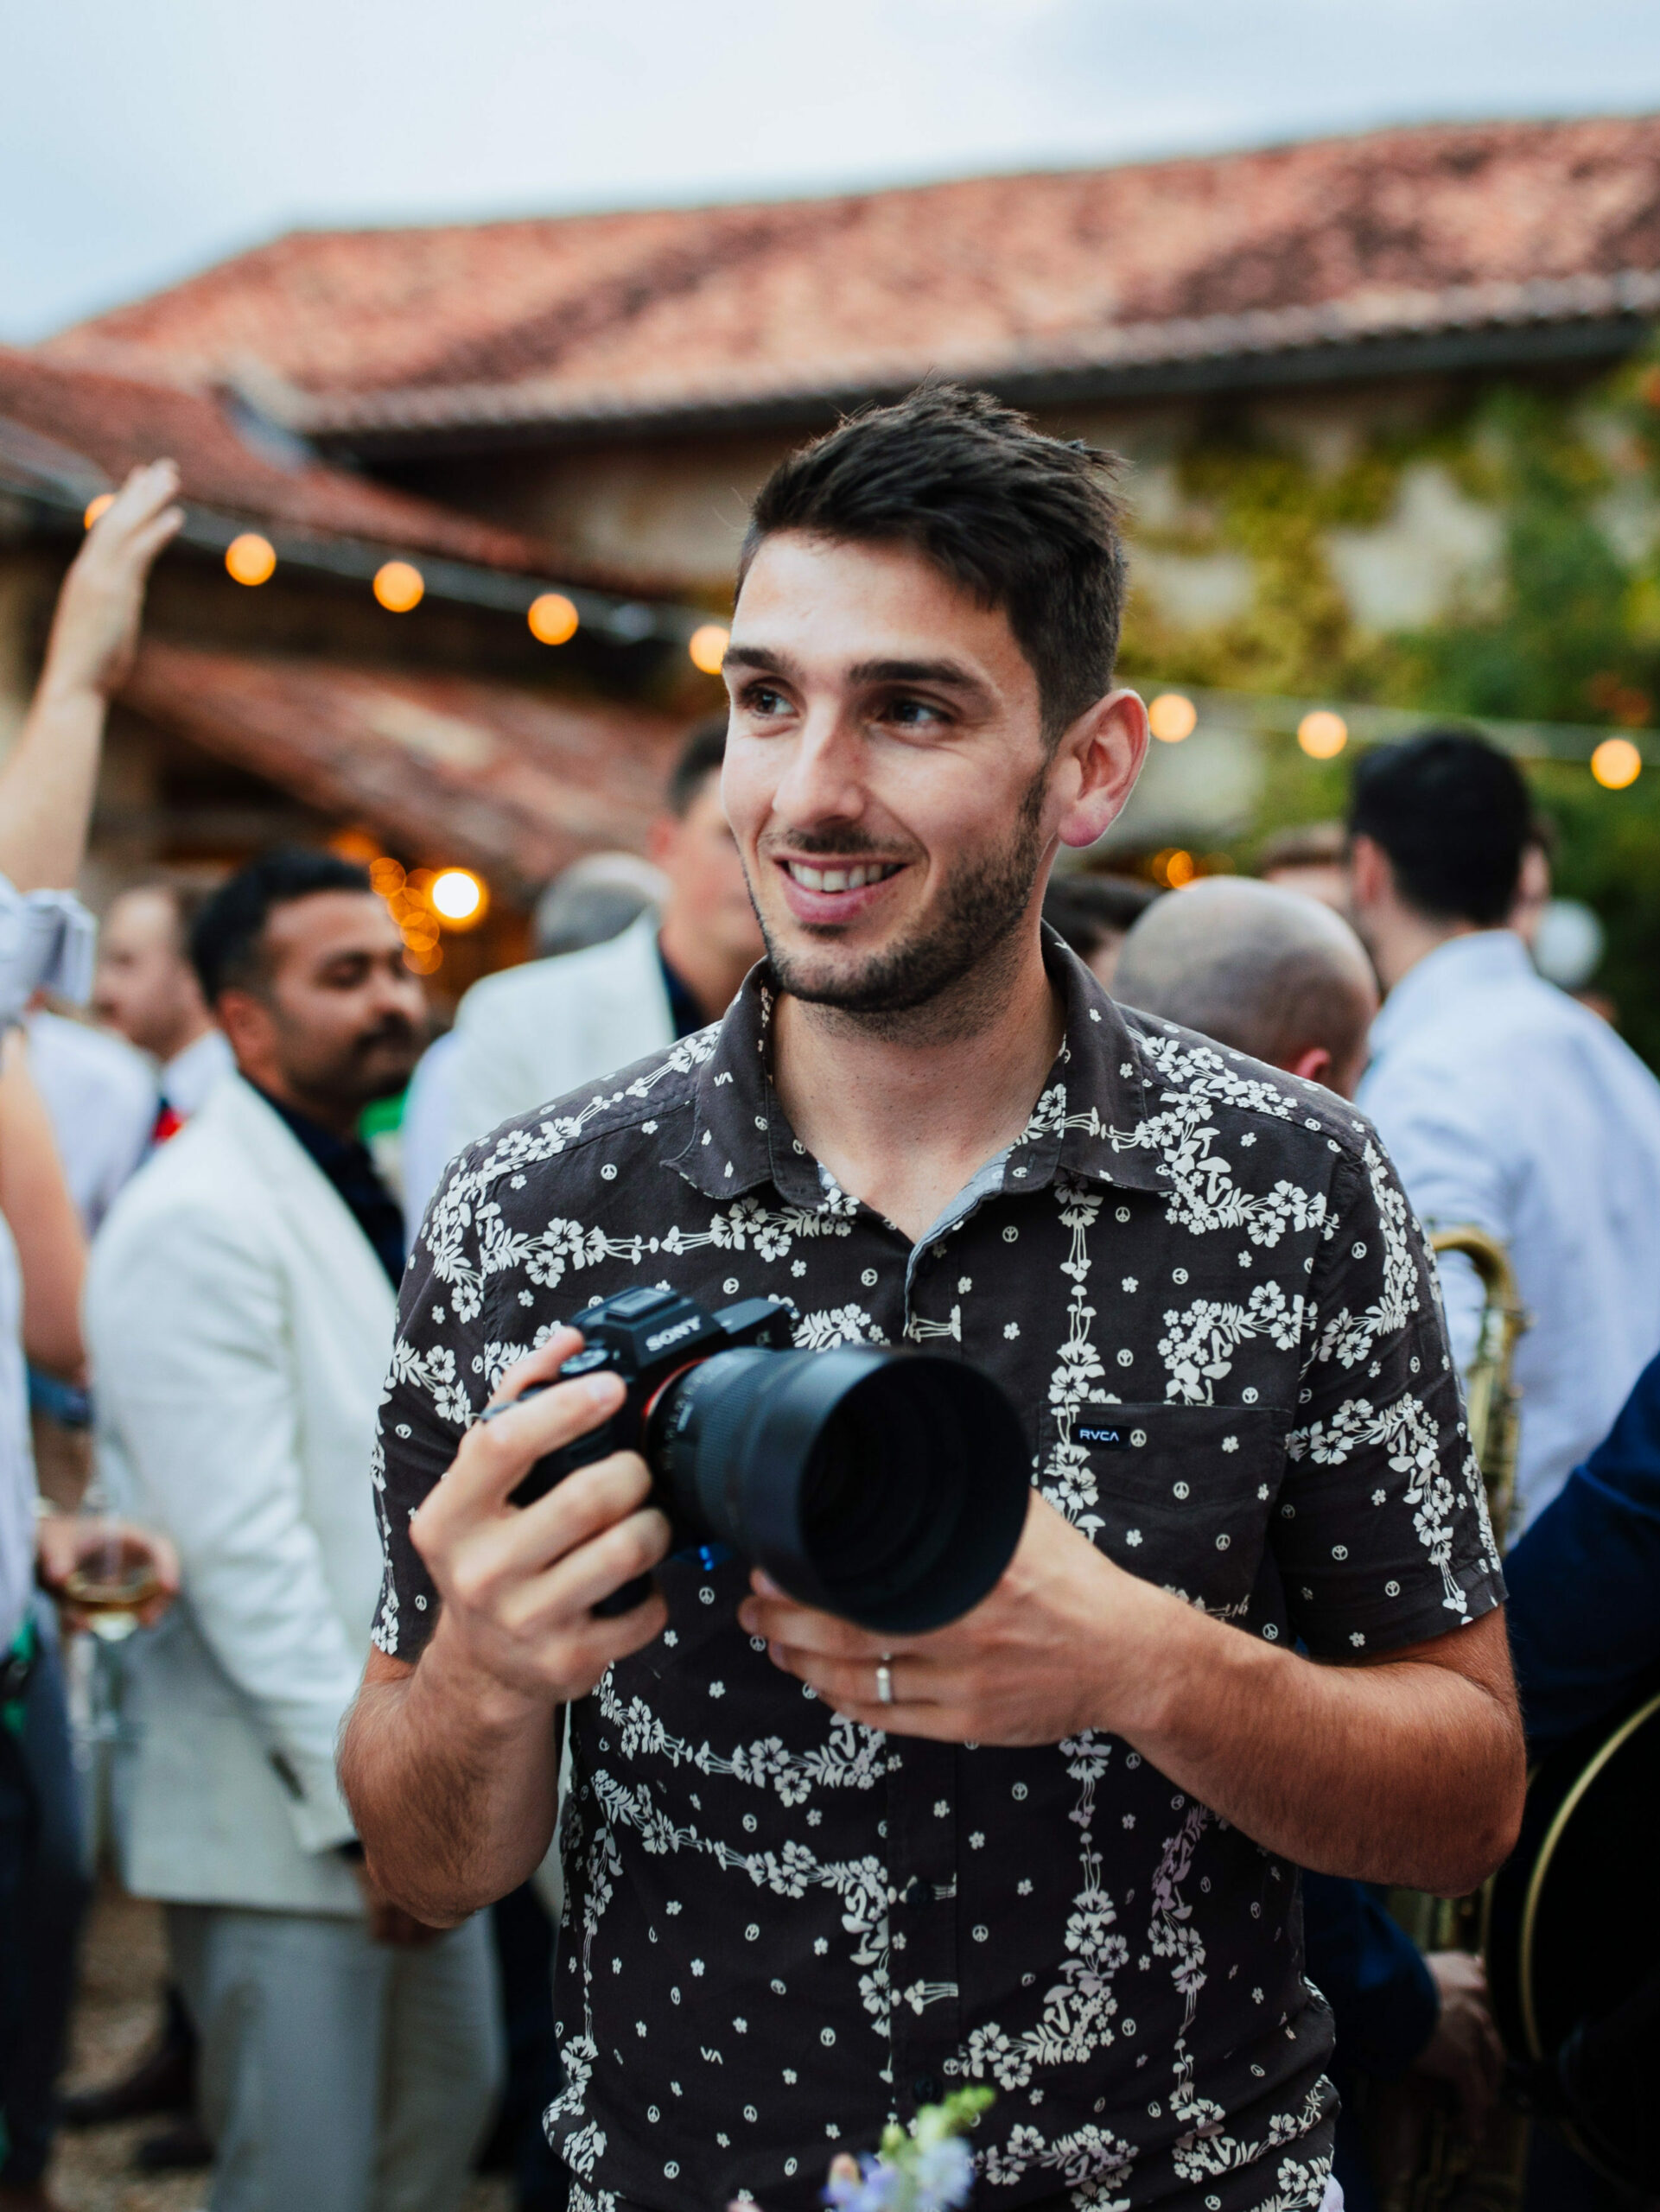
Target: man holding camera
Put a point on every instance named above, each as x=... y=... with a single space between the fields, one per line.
x=816 y=1874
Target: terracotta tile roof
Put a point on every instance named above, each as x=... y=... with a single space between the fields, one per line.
x=579 y=319
x=85 y=427
x=512 y=784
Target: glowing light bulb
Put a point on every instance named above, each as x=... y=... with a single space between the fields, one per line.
x=457 y=896
x=1180 y=869
x=1171 y=717
x=1616 y=763
x=251 y=559
x=1322 y=735
x=98 y=507
x=399 y=586
x=707 y=646
x=552 y=618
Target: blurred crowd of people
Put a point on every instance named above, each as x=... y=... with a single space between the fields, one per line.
x=220 y=1357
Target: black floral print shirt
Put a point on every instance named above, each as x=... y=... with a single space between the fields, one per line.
x=1200 y=1283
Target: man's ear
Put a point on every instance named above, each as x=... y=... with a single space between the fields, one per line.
x=1314 y=1066
x=246 y=1021
x=1372 y=878
x=660 y=838
x=1096 y=763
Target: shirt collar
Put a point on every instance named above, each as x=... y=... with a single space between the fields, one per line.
x=1463 y=966
x=1088 y=1120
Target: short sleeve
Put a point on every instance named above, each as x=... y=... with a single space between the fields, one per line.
x=438 y=1383
x=46 y=943
x=1381 y=1530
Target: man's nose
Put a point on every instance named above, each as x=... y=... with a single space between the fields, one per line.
x=824 y=779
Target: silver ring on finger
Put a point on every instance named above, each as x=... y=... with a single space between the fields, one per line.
x=885 y=1679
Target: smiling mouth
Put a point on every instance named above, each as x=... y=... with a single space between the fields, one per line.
x=855 y=878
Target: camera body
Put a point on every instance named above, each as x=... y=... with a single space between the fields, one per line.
x=647 y=1337
x=887 y=1485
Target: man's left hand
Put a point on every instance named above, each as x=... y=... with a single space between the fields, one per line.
x=1030 y=1665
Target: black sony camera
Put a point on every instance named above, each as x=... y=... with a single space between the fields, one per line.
x=890 y=1487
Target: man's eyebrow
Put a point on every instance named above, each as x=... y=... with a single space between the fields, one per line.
x=948 y=672
x=762 y=659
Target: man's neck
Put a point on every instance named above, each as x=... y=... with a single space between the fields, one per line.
x=905 y=1111
x=711 y=976
x=341 y=1121
x=1400 y=939
x=188 y=1033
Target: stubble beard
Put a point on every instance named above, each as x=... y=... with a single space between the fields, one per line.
x=953 y=967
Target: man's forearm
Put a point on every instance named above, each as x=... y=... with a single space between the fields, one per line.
x=1404 y=1772
x=454 y=1794
x=46 y=792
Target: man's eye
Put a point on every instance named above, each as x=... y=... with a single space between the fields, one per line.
x=913 y=714
x=761 y=699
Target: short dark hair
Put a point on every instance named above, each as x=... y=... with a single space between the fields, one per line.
x=1026 y=523
x=700 y=758
x=1086 y=909
x=1452 y=813
x=226 y=939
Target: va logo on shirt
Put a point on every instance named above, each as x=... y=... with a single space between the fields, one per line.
x=1102 y=1439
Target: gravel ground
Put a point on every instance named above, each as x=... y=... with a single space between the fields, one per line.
x=122 y=1975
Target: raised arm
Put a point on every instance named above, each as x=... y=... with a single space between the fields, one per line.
x=451 y=1766
x=48 y=780
x=35 y=1198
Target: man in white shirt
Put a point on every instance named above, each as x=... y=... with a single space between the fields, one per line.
x=101 y=1096
x=534 y=1033
x=1502 y=1102
x=146 y=988
x=239 y=1313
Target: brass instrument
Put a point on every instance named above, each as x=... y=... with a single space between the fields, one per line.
x=1493 y=1402
x=1423 y=2162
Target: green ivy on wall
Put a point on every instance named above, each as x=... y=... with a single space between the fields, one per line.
x=1572 y=635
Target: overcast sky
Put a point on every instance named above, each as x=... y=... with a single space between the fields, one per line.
x=139 y=142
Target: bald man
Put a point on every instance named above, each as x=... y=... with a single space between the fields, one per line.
x=1277 y=974
x=1271 y=972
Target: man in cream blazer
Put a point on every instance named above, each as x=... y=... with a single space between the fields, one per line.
x=535 y=1032
x=240 y=1309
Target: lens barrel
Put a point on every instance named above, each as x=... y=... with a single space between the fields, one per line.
x=888 y=1487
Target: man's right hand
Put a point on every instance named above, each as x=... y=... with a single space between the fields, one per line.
x=1463 y=2048
x=518 y=1584
x=95 y=630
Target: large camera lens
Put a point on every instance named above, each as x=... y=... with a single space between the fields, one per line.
x=890 y=1487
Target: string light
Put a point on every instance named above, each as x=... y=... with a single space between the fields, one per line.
x=399 y=586
x=1322 y=735
x=552 y=618
x=458 y=896
x=707 y=646
x=98 y=507
x=1616 y=763
x=1172 y=717
x=251 y=559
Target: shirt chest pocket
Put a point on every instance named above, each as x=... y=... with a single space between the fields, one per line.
x=1184 y=1495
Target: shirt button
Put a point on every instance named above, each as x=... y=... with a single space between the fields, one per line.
x=926 y=2089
